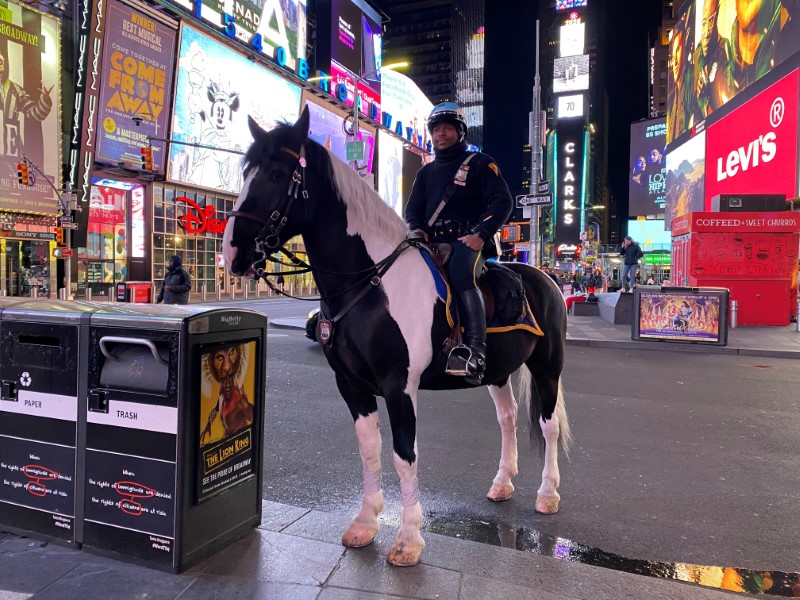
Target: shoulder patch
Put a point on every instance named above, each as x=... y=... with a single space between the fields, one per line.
x=495 y=168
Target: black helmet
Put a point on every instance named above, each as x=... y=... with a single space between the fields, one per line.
x=449 y=112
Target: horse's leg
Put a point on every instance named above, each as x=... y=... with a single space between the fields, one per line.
x=546 y=407
x=364 y=409
x=408 y=544
x=506 y=406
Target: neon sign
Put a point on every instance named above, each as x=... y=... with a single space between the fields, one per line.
x=202 y=219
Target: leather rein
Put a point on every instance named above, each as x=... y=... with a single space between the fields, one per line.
x=267 y=243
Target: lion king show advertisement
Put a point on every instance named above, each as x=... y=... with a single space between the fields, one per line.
x=674 y=316
x=227 y=414
x=217 y=88
x=30 y=108
x=137 y=75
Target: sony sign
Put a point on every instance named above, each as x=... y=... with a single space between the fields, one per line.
x=569 y=175
x=754 y=149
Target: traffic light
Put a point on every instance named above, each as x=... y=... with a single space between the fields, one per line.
x=147 y=158
x=23 y=174
x=60 y=236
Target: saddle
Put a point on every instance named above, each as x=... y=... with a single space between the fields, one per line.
x=503 y=294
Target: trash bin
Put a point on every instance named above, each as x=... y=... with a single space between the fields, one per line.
x=174 y=413
x=42 y=369
x=134 y=291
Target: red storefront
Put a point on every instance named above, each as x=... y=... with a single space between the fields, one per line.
x=755 y=255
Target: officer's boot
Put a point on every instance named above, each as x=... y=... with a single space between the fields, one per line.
x=469 y=360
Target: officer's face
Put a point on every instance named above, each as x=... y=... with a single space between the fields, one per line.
x=444 y=135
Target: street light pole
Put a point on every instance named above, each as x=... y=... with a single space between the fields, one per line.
x=534 y=137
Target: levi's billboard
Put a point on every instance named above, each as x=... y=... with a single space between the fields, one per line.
x=754 y=149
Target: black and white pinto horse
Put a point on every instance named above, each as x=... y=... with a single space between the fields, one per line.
x=388 y=342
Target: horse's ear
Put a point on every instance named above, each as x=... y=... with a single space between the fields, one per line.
x=301 y=127
x=255 y=128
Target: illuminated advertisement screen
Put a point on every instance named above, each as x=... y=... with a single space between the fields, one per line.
x=390 y=171
x=754 y=148
x=569 y=191
x=262 y=25
x=217 y=88
x=343 y=86
x=570 y=106
x=30 y=107
x=355 y=40
x=229 y=405
x=407 y=106
x=137 y=76
x=648 y=168
x=571 y=74
x=572 y=36
x=649 y=234
x=681 y=317
x=326 y=128
x=714 y=56
x=686 y=178
x=568 y=4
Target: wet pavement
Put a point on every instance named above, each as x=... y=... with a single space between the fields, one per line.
x=296 y=552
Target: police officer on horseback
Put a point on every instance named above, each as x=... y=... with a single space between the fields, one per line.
x=460 y=198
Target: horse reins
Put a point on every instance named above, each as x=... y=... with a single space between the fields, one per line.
x=268 y=238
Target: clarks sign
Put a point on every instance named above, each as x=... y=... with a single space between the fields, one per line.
x=754 y=149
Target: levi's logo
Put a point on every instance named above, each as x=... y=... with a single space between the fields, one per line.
x=761 y=150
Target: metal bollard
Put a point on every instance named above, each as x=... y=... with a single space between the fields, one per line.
x=246 y=287
x=233 y=292
x=203 y=292
x=219 y=293
x=258 y=289
x=89 y=294
x=34 y=292
x=734 y=314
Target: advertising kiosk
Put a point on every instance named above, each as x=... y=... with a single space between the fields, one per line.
x=753 y=254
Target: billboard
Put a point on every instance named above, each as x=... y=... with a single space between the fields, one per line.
x=390 y=171
x=686 y=176
x=405 y=107
x=719 y=48
x=569 y=192
x=571 y=73
x=572 y=35
x=648 y=168
x=30 y=110
x=676 y=316
x=356 y=40
x=262 y=25
x=568 y=4
x=326 y=127
x=649 y=234
x=216 y=89
x=569 y=107
x=754 y=149
x=137 y=75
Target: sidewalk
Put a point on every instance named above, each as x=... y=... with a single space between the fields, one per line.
x=296 y=554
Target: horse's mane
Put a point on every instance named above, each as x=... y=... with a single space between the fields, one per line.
x=367 y=213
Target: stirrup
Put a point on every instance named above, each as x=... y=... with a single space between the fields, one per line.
x=457 y=361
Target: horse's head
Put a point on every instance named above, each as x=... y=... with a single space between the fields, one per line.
x=269 y=208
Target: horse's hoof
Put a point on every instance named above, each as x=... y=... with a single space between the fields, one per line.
x=403 y=554
x=547 y=505
x=500 y=492
x=358 y=535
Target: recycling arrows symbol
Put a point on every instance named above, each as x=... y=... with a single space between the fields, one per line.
x=25 y=379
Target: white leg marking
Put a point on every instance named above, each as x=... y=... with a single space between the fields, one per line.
x=408 y=544
x=547 y=498
x=506 y=406
x=364 y=525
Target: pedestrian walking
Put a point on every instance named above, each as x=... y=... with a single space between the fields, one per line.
x=176 y=285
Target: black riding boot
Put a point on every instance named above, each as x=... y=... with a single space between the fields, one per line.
x=469 y=359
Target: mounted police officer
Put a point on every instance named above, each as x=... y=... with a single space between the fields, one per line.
x=460 y=198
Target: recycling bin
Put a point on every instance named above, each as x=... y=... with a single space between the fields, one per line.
x=135 y=291
x=40 y=368
x=697 y=315
x=174 y=419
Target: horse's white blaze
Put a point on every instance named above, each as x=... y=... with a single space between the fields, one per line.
x=411 y=298
x=228 y=250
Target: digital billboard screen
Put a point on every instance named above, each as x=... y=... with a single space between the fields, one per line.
x=571 y=73
x=137 y=76
x=355 y=39
x=326 y=127
x=719 y=48
x=571 y=38
x=30 y=107
x=649 y=234
x=686 y=178
x=569 y=192
x=217 y=88
x=390 y=170
x=754 y=148
x=570 y=107
x=568 y=4
x=648 y=168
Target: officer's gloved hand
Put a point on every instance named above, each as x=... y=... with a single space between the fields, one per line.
x=416 y=234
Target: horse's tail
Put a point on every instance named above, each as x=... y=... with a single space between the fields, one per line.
x=530 y=394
